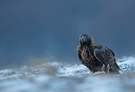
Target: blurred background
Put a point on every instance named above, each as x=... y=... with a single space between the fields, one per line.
x=50 y=28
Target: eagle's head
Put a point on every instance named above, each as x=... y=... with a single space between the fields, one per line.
x=85 y=39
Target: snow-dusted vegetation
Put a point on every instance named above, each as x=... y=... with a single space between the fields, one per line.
x=58 y=77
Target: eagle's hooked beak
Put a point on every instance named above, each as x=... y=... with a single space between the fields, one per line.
x=84 y=38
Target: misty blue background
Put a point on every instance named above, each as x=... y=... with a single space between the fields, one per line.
x=51 y=28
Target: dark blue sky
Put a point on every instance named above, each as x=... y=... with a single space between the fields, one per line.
x=51 y=28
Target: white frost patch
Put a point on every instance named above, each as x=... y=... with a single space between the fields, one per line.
x=127 y=64
x=72 y=71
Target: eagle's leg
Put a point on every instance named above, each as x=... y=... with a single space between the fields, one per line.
x=108 y=69
x=103 y=67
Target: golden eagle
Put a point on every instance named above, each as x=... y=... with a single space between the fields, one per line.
x=96 y=57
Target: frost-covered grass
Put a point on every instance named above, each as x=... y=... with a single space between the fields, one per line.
x=43 y=76
x=127 y=64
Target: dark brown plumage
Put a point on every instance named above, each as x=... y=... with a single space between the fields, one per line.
x=96 y=57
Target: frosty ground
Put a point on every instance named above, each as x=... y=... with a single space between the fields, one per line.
x=58 y=77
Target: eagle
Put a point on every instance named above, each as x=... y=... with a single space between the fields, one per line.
x=96 y=57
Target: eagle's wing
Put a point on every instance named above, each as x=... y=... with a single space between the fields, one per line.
x=104 y=55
